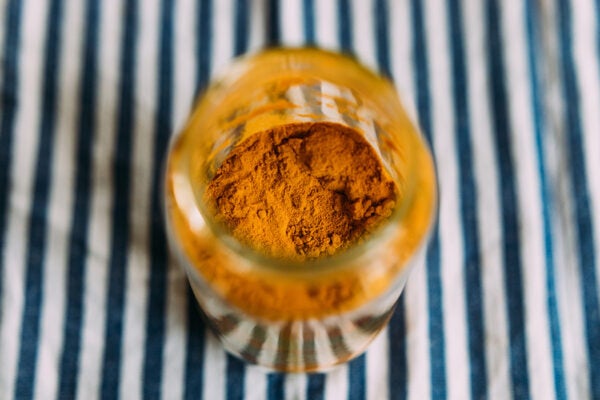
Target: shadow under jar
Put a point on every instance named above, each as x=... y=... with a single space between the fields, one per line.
x=292 y=315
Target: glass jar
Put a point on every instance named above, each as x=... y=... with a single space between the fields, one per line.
x=287 y=315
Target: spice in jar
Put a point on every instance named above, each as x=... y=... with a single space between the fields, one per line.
x=302 y=191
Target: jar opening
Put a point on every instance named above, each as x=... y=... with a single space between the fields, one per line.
x=404 y=172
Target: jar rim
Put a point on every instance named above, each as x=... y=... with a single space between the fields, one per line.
x=348 y=256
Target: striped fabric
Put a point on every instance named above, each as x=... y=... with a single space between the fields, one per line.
x=507 y=304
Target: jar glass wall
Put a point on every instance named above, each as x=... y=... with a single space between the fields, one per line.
x=284 y=314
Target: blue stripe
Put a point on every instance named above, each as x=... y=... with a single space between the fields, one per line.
x=8 y=105
x=583 y=215
x=194 y=356
x=204 y=38
x=284 y=344
x=511 y=242
x=356 y=379
x=117 y=282
x=315 y=387
x=398 y=368
x=236 y=371
x=382 y=34
x=276 y=386
x=273 y=24
x=437 y=352
x=308 y=13
x=157 y=302
x=547 y=203
x=242 y=16
x=78 y=241
x=254 y=344
x=345 y=26
x=36 y=248
x=468 y=206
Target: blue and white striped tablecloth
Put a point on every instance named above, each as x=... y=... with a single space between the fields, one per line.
x=508 y=93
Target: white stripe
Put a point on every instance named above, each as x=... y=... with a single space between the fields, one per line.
x=329 y=106
x=137 y=271
x=323 y=352
x=240 y=335
x=222 y=35
x=92 y=344
x=363 y=31
x=451 y=239
x=570 y=306
x=336 y=383
x=60 y=205
x=214 y=368
x=183 y=91
x=497 y=346
x=326 y=24
x=568 y=283
x=401 y=54
x=295 y=386
x=269 y=347
x=528 y=185
x=417 y=338
x=185 y=61
x=290 y=20
x=353 y=337
x=567 y=270
x=256 y=383
x=175 y=335
x=222 y=51
x=377 y=367
x=257 y=23
x=26 y=135
x=586 y=52
x=296 y=357
x=302 y=107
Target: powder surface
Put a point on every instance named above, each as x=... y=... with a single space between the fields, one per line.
x=301 y=191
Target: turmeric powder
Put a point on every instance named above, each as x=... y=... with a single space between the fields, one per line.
x=301 y=191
